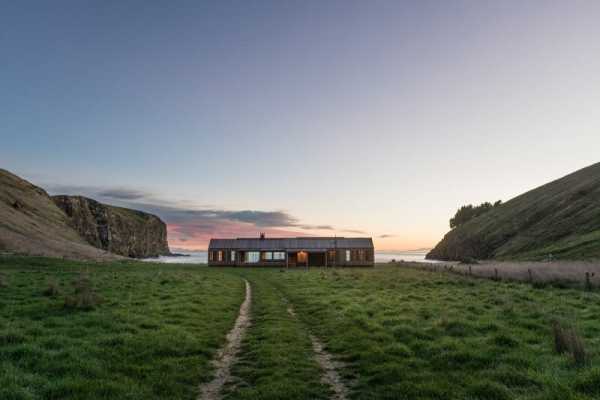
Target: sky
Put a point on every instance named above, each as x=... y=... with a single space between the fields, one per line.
x=349 y=118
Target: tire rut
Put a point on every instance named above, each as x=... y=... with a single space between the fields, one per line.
x=330 y=375
x=228 y=354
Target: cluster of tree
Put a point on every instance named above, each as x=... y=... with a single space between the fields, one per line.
x=467 y=213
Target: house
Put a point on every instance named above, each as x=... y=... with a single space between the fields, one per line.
x=291 y=252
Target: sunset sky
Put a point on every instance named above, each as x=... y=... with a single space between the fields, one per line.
x=354 y=118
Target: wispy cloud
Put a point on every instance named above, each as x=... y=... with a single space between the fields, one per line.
x=386 y=235
x=354 y=231
x=124 y=194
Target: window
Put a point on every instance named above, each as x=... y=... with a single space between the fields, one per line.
x=219 y=255
x=232 y=255
x=210 y=256
x=347 y=255
x=268 y=255
x=252 y=256
x=279 y=255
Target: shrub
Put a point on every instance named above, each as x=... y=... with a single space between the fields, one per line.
x=52 y=290
x=84 y=297
x=468 y=212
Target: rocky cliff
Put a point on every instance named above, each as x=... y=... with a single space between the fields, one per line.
x=122 y=231
x=560 y=220
x=31 y=224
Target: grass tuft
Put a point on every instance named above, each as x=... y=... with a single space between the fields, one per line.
x=3 y=281
x=85 y=296
x=589 y=382
x=568 y=341
x=52 y=290
x=488 y=391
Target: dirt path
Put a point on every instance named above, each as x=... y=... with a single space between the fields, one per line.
x=330 y=376
x=228 y=354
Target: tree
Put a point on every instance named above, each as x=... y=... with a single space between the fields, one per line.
x=468 y=212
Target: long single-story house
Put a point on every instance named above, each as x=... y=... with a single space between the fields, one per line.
x=292 y=252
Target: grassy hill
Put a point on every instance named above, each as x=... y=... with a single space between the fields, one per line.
x=30 y=223
x=561 y=218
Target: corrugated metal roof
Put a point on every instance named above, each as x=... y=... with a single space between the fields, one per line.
x=301 y=243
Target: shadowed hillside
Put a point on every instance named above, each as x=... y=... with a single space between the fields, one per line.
x=30 y=223
x=561 y=219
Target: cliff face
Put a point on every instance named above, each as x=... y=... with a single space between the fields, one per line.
x=31 y=224
x=560 y=220
x=122 y=231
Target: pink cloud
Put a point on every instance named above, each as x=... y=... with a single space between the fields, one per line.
x=195 y=235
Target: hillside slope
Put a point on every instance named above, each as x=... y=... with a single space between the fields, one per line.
x=561 y=218
x=30 y=223
x=119 y=230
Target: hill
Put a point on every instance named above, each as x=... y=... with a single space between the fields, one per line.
x=123 y=231
x=75 y=227
x=30 y=223
x=560 y=220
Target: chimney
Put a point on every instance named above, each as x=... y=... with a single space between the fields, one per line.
x=262 y=235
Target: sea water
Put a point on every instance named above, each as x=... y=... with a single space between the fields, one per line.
x=201 y=257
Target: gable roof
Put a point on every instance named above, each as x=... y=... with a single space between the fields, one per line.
x=299 y=243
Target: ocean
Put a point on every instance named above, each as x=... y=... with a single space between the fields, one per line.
x=201 y=257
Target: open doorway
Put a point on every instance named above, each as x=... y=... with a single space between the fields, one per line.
x=316 y=259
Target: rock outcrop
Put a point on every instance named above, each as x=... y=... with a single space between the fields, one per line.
x=31 y=224
x=122 y=231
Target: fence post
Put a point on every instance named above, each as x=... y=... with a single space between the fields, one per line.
x=470 y=272
x=496 y=274
x=530 y=276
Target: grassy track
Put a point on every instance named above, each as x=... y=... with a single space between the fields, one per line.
x=276 y=358
x=409 y=334
x=152 y=336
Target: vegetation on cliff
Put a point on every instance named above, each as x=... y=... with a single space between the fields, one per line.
x=560 y=220
x=468 y=212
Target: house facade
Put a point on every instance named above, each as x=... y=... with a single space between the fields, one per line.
x=292 y=252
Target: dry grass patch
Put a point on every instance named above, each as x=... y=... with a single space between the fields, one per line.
x=84 y=296
x=568 y=341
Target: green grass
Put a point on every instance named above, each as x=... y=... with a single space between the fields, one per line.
x=277 y=359
x=152 y=335
x=408 y=334
x=400 y=333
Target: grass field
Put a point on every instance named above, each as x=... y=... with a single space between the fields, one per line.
x=399 y=333
x=152 y=335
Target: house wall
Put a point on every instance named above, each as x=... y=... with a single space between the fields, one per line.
x=340 y=259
